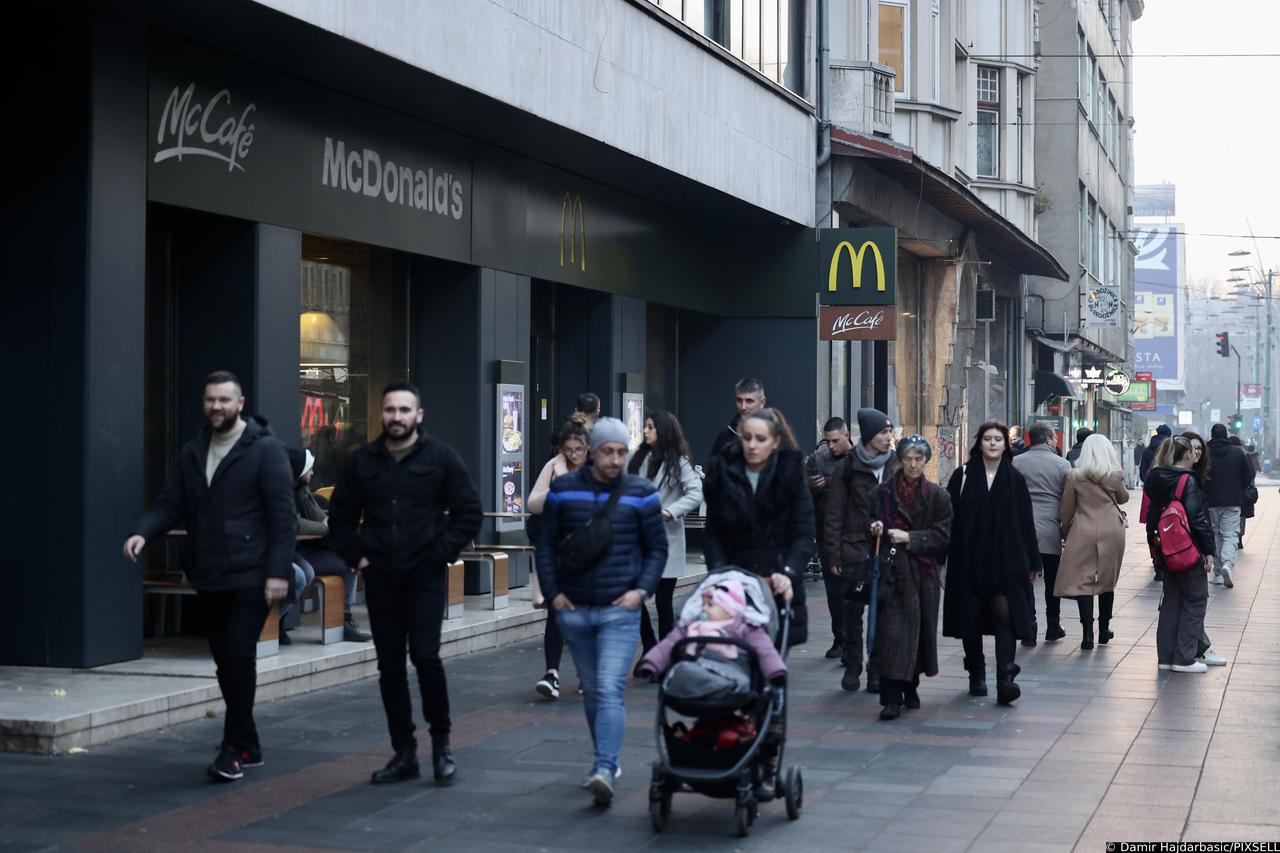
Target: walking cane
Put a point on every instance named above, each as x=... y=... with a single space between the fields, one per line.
x=875 y=584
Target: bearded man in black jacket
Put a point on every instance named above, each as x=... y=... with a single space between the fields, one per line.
x=232 y=487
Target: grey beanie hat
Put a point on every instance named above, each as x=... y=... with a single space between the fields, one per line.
x=915 y=441
x=870 y=422
x=607 y=430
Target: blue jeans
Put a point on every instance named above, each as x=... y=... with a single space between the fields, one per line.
x=602 y=641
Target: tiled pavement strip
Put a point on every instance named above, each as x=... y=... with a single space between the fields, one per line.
x=1101 y=747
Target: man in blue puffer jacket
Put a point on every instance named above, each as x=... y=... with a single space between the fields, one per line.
x=598 y=610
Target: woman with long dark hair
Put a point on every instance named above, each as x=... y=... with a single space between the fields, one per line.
x=993 y=558
x=664 y=459
x=573 y=440
x=1202 y=469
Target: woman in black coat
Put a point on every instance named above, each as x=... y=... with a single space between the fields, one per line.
x=1180 y=640
x=993 y=558
x=760 y=512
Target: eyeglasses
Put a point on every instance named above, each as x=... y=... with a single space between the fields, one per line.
x=575 y=451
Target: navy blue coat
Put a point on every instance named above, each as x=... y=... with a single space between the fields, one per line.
x=639 y=551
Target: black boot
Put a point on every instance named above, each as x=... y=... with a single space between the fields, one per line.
x=1104 y=632
x=849 y=681
x=873 y=680
x=442 y=764
x=911 y=698
x=402 y=766
x=977 y=678
x=1086 y=642
x=891 y=711
x=1006 y=691
x=351 y=632
x=1054 y=632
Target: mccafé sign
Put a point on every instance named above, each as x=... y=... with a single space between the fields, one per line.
x=857 y=284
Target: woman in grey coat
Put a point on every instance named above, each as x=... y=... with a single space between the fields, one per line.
x=914 y=516
x=663 y=458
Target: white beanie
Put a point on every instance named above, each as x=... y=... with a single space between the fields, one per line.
x=607 y=430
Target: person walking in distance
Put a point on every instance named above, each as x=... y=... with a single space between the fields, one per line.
x=848 y=543
x=1153 y=447
x=1046 y=475
x=993 y=558
x=1074 y=453
x=1202 y=470
x=664 y=460
x=1185 y=588
x=403 y=509
x=570 y=455
x=1225 y=491
x=232 y=490
x=1093 y=529
x=915 y=516
x=749 y=397
x=1250 y=492
x=821 y=467
x=597 y=577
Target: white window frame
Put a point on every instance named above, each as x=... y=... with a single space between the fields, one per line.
x=991 y=108
x=903 y=73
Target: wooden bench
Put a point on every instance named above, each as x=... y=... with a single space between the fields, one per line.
x=333 y=592
x=454 y=607
x=518 y=574
x=497 y=565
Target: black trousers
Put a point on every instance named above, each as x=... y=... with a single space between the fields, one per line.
x=1052 y=604
x=662 y=598
x=409 y=610
x=854 y=607
x=1106 y=603
x=233 y=621
x=552 y=641
x=835 y=603
x=996 y=612
x=894 y=691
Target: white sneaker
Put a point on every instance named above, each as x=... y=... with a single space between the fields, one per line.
x=1217 y=578
x=1226 y=577
x=1165 y=667
x=600 y=788
x=1211 y=659
x=1191 y=667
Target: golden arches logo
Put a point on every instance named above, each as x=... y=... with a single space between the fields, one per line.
x=855 y=264
x=576 y=230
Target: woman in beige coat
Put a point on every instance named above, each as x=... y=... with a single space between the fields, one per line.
x=1093 y=529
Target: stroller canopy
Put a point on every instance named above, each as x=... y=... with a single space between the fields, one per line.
x=761 y=609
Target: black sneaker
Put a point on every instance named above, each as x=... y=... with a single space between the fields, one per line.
x=251 y=757
x=351 y=632
x=226 y=767
x=836 y=651
x=284 y=638
x=548 y=686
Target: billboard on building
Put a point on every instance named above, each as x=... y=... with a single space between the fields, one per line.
x=1159 y=284
x=1155 y=200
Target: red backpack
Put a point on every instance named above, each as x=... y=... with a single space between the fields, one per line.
x=1173 y=534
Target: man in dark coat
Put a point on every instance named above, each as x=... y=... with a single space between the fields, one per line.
x=848 y=545
x=821 y=467
x=1225 y=491
x=1149 y=455
x=1074 y=453
x=749 y=397
x=403 y=509
x=232 y=489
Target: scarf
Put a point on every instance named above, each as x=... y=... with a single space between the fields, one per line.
x=909 y=492
x=872 y=460
x=988 y=519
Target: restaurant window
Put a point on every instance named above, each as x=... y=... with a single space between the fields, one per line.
x=353 y=341
x=894 y=50
x=988 y=122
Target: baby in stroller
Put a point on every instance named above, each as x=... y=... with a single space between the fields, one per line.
x=712 y=675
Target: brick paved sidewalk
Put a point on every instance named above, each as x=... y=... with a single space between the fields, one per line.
x=1101 y=747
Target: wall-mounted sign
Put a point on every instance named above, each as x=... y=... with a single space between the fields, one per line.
x=857 y=323
x=1215 y=415
x=857 y=266
x=1102 y=307
x=633 y=417
x=1117 y=381
x=1155 y=200
x=510 y=456
x=1250 y=396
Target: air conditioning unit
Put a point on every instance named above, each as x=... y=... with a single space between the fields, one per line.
x=985 y=307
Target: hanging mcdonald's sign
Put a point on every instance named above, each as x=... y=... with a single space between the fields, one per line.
x=857 y=266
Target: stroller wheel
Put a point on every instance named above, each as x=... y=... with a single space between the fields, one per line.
x=794 y=793
x=742 y=815
x=659 y=808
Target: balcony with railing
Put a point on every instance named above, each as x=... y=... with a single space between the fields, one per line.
x=862 y=97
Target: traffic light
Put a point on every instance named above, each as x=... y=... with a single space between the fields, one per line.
x=1237 y=424
x=1224 y=344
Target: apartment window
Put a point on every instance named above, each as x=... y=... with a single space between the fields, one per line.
x=1090 y=258
x=937 y=52
x=765 y=34
x=1021 y=126
x=1099 y=267
x=1084 y=225
x=1082 y=61
x=988 y=122
x=894 y=22
x=1099 y=114
x=1122 y=141
x=1091 y=84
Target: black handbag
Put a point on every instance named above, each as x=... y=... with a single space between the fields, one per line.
x=583 y=548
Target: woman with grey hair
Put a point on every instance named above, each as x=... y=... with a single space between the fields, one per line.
x=915 y=517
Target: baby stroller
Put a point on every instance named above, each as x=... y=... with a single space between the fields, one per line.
x=733 y=691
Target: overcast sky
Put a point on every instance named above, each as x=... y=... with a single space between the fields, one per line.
x=1212 y=126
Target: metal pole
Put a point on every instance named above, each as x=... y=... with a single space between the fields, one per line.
x=1268 y=443
x=1239 y=389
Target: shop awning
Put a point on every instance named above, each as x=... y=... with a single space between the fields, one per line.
x=1049 y=385
x=951 y=197
x=1055 y=344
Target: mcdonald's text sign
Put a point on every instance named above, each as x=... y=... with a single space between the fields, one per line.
x=857 y=266
x=858 y=323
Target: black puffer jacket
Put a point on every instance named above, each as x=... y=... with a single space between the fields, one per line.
x=1160 y=488
x=242 y=525
x=394 y=513
x=765 y=531
x=1232 y=474
x=638 y=552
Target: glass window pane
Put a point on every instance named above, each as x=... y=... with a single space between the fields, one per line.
x=769 y=40
x=751 y=32
x=988 y=143
x=893 y=45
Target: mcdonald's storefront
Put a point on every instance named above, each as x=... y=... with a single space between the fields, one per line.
x=322 y=220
